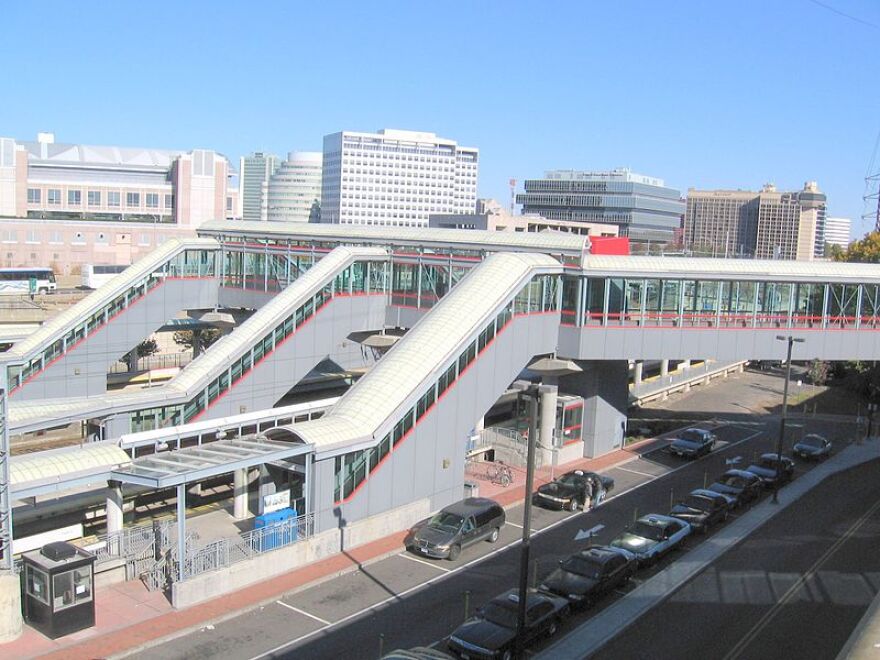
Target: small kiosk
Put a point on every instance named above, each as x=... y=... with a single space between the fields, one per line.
x=59 y=589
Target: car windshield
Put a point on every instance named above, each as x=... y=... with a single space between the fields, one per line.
x=647 y=531
x=733 y=481
x=697 y=502
x=691 y=436
x=446 y=521
x=768 y=462
x=500 y=615
x=570 y=480
x=582 y=566
x=813 y=441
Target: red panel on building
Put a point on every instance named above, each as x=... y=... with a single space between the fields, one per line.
x=609 y=245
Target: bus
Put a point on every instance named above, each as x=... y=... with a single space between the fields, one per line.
x=18 y=280
x=94 y=276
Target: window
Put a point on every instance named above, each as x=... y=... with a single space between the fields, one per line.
x=101 y=238
x=37 y=584
x=113 y=199
x=169 y=201
x=55 y=237
x=132 y=200
x=74 y=197
x=94 y=198
x=34 y=195
x=152 y=200
x=229 y=203
x=144 y=239
x=32 y=237
x=54 y=196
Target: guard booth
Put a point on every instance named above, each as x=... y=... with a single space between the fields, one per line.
x=59 y=589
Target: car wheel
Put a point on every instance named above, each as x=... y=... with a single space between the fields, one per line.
x=493 y=537
x=454 y=552
x=572 y=504
x=553 y=628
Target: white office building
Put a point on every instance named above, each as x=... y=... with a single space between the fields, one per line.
x=295 y=188
x=396 y=178
x=837 y=231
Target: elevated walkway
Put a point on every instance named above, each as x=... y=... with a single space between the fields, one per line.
x=256 y=365
x=71 y=354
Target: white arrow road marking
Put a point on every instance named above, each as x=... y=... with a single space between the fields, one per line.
x=585 y=534
x=734 y=460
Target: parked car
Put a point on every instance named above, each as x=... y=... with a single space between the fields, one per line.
x=569 y=490
x=742 y=486
x=586 y=576
x=772 y=470
x=702 y=509
x=652 y=536
x=812 y=447
x=692 y=443
x=458 y=526
x=492 y=632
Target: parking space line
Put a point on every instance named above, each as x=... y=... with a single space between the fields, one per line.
x=520 y=526
x=644 y=474
x=422 y=561
x=501 y=548
x=303 y=612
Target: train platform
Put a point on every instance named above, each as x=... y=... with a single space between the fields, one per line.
x=128 y=617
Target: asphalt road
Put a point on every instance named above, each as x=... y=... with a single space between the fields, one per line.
x=406 y=600
x=797 y=586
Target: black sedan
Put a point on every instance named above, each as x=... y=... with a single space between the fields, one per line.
x=569 y=490
x=773 y=469
x=743 y=486
x=813 y=447
x=586 y=576
x=692 y=443
x=492 y=632
x=702 y=509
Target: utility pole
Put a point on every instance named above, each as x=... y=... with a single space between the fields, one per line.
x=791 y=341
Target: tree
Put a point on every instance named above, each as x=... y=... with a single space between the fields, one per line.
x=197 y=340
x=147 y=347
x=818 y=373
x=866 y=250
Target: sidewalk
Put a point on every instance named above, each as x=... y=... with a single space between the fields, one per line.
x=128 y=617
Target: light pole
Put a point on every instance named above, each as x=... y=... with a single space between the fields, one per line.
x=531 y=392
x=791 y=341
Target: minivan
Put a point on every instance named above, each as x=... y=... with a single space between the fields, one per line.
x=458 y=526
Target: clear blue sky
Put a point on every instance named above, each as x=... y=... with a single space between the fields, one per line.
x=703 y=94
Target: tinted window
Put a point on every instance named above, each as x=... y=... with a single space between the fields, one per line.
x=487 y=516
x=697 y=502
x=648 y=531
x=582 y=566
x=500 y=615
x=446 y=521
x=691 y=436
x=813 y=441
x=540 y=610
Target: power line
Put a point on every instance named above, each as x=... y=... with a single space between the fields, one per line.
x=845 y=15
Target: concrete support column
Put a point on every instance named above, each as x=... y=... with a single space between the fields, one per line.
x=685 y=365
x=240 y=494
x=549 y=396
x=114 y=507
x=664 y=368
x=638 y=371
x=604 y=385
x=480 y=425
x=10 y=606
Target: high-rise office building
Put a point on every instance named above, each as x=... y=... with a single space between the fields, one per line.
x=295 y=188
x=837 y=231
x=396 y=178
x=256 y=170
x=767 y=225
x=641 y=206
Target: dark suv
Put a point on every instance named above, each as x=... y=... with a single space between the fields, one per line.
x=458 y=526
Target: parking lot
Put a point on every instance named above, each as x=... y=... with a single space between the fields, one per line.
x=406 y=600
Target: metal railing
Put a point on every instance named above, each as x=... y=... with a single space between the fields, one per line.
x=130 y=541
x=163 y=361
x=228 y=551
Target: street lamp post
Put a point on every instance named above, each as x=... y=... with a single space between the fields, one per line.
x=531 y=392
x=791 y=341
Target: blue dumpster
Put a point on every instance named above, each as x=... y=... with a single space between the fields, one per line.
x=279 y=528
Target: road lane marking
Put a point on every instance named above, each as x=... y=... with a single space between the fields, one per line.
x=765 y=620
x=644 y=474
x=422 y=561
x=303 y=612
x=424 y=585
